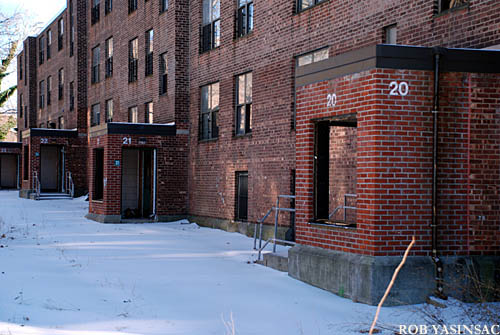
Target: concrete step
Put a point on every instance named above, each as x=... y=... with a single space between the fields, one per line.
x=54 y=196
x=277 y=261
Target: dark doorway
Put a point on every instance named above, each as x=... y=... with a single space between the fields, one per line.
x=98 y=174
x=8 y=171
x=51 y=168
x=242 y=196
x=138 y=191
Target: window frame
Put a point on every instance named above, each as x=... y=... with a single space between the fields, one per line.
x=71 y=96
x=107 y=111
x=210 y=30
x=163 y=73
x=108 y=7
x=49 y=43
x=95 y=12
x=95 y=118
x=212 y=118
x=49 y=90
x=149 y=50
x=60 y=34
x=312 y=54
x=60 y=76
x=41 y=95
x=133 y=112
x=41 y=51
x=459 y=4
x=96 y=64
x=314 y=4
x=243 y=27
x=133 y=63
x=163 y=6
x=149 y=112
x=132 y=6
x=245 y=105
x=109 y=57
x=241 y=175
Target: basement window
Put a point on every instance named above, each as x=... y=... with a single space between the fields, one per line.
x=98 y=174
x=446 y=5
x=335 y=171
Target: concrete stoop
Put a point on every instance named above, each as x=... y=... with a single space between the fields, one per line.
x=277 y=261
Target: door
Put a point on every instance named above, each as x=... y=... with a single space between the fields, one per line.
x=49 y=168
x=8 y=171
x=242 y=196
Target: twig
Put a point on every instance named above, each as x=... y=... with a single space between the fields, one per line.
x=391 y=284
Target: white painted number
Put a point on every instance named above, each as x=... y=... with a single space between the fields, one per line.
x=401 y=88
x=331 y=100
x=44 y=141
x=127 y=140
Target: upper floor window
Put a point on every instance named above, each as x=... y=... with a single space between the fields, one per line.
x=41 y=94
x=133 y=60
x=313 y=57
x=163 y=5
x=244 y=103
x=49 y=43
x=209 y=111
x=41 y=53
x=210 y=32
x=390 y=34
x=72 y=96
x=96 y=61
x=60 y=34
x=49 y=90
x=304 y=4
x=109 y=110
x=109 y=57
x=132 y=6
x=95 y=118
x=149 y=112
x=108 y=6
x=96 y=5
x=133 y=116
x=61 y=83
x=21 y=106
x=245 y=17
x=163 y=73
x=149 y=52
x=20 y=62
x=444 y=5
x=60 y=122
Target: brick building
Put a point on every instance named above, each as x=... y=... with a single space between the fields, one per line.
x=210 y=109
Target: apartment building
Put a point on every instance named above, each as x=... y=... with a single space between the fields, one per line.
x=211 y=109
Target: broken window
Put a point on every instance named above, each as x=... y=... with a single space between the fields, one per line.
x=244 y=104
x=444 y=5
x=244 y=19
x=210 y=31
x=209 y=111
x=335 y=171
x=242 y=195
x=98 y=174
x=304 y=4
x=313 y=57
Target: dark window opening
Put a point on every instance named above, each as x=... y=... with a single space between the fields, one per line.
x=209 y=110
x=20 y=68
x=21 y=106
x=96 y=60
x=109 y=110
x=108 y=6
x=95 y=12
x=242 y=196
x=41 y=51
x=163 y=73
x=335 y=171
x=26 y=162
x=95 y=118
x=149 y=52
x=133 y=60
x=71 y=96
x=305 y=4
x=42 y=95
x=290 y=233
x=49 y=90
x=210 y=30
x=25 y=117
x=98 y=174
x=445 y=5
x=61 y=84
x=244 y=17
x=132 y=6
x=244 y=104
x=60 y=34
x=163 y=5
x=109 y=57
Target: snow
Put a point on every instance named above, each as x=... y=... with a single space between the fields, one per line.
x=62 y=274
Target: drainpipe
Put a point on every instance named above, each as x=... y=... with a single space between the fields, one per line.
x=437 y=261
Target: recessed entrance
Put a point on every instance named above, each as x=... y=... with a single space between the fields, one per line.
x=51 y=168
x=138 y=183
x=8 y=171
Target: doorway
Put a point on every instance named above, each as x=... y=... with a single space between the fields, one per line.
x=8 y=171
x=51 y=168
x=138 y=183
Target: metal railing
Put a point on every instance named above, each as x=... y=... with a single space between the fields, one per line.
x=344 y=207
x=70 y=185
x=274 y=240
x=36 y=186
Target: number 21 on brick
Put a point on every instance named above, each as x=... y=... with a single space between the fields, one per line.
x=331 y=100
x=127 y=140
x=399 y=88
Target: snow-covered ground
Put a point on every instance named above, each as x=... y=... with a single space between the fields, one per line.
x=63 y=274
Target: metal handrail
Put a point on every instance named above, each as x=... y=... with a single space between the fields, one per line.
x=344 y=207
x=275 y=241
x=70 y=185
x=36 y=185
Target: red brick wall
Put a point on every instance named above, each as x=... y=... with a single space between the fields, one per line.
x=394 y=162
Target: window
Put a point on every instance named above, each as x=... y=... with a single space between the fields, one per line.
x=244 y=104
x=25 y=116
x=149 y=52
x=60 y=122
x=109 y=57
x=390 y=34
x=98 y=174
x=95 y=11
x=96 y=60
x=444 y=5
x=108 y=6
x=132 y=6
x=132 y=115
x=209 y=110
x=71 y=29
x=20 y=68
x=42 y=96
x=109 y=110
x=163 y=73
x=60 y=34
x=244 y=20
x=95 y=117
x=49 y=89
x=21 y=106
x=304 y=4
x=242 y=195
x=132 y=60
x=313 y=57
x=25 y=66
x=163 y=5
x=149 y=112
x=210 y=31
x=72 y=96
x=49 y=43
x=42 y=50
x=26 y=160
x=61 y=84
